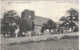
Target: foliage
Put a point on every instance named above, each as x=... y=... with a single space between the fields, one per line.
x=71 y=20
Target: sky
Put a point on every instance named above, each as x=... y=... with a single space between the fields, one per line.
x=49 y=9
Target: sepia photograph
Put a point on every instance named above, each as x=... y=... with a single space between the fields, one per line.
x=39 y=25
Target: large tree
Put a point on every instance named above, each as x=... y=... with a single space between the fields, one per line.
x=9 y=22
x=26 y=23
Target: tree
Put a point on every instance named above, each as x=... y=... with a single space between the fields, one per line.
x=9 y=22
x=51 y=25
x=73 y=18
x=26 y=23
